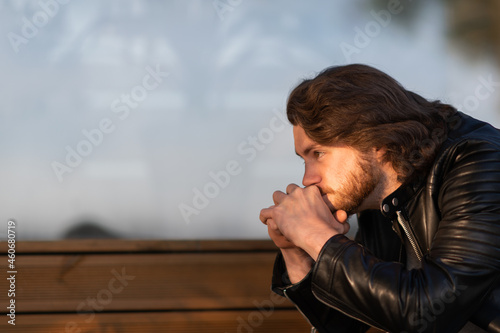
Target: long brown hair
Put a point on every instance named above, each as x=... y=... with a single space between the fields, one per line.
x=364 y=108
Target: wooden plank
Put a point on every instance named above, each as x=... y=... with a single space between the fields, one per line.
x=138 y=246
x=135 y=282
x=127 y=286
x=255 y=320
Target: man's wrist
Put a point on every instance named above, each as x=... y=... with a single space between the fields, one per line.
x=316 y=242
x=298 y=263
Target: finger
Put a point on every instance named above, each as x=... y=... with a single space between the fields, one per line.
x=290 y=188
x=347 y=227
x=278 y=196
x=314 y=188
x=278 y=233
x=340 y=215
x=272 y=225
x=266 y=214
x=329 y=204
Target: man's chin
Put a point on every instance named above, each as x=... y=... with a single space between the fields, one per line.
x=349 y=210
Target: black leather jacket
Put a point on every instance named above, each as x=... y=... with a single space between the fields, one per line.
x=428 y=261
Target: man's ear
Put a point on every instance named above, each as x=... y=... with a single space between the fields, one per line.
x=380 y=154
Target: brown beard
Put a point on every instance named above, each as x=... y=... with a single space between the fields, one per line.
x=359 y=183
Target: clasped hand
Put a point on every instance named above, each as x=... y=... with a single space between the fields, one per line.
x=301 y=218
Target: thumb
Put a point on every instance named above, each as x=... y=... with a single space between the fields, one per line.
x=340 y=215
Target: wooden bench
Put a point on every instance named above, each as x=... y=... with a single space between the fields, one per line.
x=146 y=286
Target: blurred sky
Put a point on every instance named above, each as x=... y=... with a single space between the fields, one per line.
x=207 y=83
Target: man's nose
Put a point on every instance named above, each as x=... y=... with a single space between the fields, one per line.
x=311 y=177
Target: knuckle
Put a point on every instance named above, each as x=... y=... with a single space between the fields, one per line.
x=291 y=187
x=312 y=188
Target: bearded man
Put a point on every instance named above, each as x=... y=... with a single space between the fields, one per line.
x=424 y=181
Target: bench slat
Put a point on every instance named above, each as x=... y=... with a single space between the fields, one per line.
x=148 y=286
x=142 y=281
x=275 y=321
x=139 y=246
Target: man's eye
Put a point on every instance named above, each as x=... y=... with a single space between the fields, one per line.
x=318 y=154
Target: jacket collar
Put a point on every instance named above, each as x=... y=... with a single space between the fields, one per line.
x=397 y=199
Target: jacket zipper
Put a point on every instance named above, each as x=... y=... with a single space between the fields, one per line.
x=411 y=237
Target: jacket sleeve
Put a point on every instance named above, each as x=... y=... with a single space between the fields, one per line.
x=456 y=274
x=322 y=317
x=376 y=232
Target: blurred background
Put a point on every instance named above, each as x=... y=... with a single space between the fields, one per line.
x=165 y=119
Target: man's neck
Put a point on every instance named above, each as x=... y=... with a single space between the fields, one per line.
x=388 y=183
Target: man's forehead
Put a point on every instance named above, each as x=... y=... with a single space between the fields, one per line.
x=303 y=143
x=299 y=134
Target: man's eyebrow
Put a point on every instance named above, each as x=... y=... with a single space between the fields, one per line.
x=306 y=151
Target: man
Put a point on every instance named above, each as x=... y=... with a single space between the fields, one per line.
x=424 y=181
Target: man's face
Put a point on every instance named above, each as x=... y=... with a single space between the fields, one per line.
x=344 y=175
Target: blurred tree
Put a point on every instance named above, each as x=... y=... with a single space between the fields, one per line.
x=473 y=25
